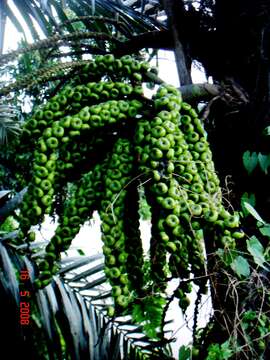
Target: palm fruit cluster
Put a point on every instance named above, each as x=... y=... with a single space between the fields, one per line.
x=100 y=137
x=79 y=208
x=113 y=203
x=184 y=191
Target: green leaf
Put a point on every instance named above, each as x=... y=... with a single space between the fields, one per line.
x=226 y=256
x=249 y=315
x=250 y=199
x=264 y=162
x=253 y=212
x=240 y=266
x=265 y=230
x=184 y=353
x=250 y=161
x=256 y=249
x=149 y=312
x=137 y=313
x=150 y=330
x=226 y=350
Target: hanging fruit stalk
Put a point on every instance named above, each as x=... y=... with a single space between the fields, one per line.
x=103 y=135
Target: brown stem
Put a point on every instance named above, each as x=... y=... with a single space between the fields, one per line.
x=171 y=7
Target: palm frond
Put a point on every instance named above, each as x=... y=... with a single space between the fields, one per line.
x=10 y=124
x=81 y=27
x=42 y=16
x=68 y=322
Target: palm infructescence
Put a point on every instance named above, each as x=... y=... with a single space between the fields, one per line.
x=56 y=332
x=75 y=29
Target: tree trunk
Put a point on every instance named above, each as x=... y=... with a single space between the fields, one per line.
x=172 y=8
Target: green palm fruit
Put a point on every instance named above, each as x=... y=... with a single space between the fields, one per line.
x=110 y=311
x=122 y=301
x=41 y=172
x=48 y=114
x=52 y=142
x=58 y=131
x=76 y=123
x=41 y=158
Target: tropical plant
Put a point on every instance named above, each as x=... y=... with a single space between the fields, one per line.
x=226 y=38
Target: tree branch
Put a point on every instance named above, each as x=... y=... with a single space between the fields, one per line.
x=200 y=92
x=191 y=92
x=153 y=39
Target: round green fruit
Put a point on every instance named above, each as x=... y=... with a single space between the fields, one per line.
x=116 y=291
x=50 y=165
x=52 y=142
x=76 y=123
x=232 y=221
x=196 y=209
x=122 y=258
x=114 y=273
x=111 y=260
x=200 y=146
x=58 y=131
x=163 y=143
x=164 y=237
x=47 y=133
x=38 y=192
x=75 y=220
x=41 y=158
x=160 y=188
x=238 y=235
x=46 y=185
x=48 y=114
x=156 y=154
x=210 y=215
x=168 y=203
x=171 y=247
x=46 y=200
x=174 y=192
x=50 y=256
x=122 y=301
x=172 y=221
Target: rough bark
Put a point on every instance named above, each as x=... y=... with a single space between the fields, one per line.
x=171 y=7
